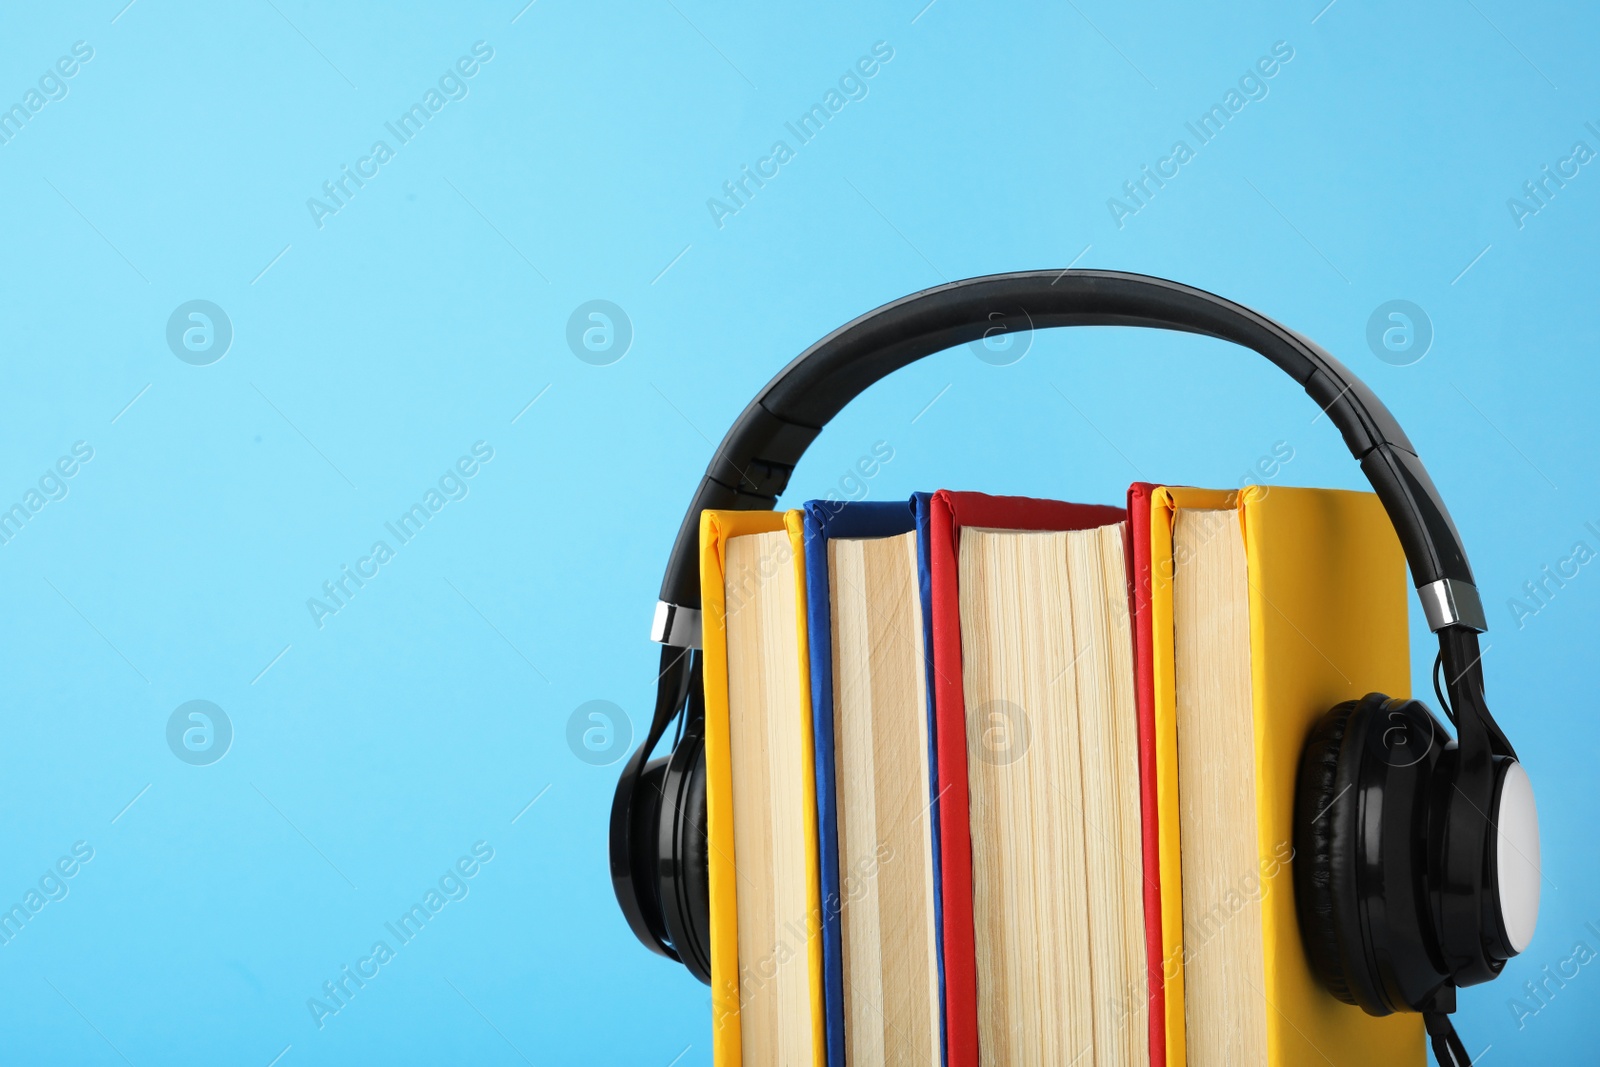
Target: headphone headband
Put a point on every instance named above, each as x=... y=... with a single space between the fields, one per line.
x=752 y=466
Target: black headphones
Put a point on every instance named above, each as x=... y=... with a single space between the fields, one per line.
x=1416 y=861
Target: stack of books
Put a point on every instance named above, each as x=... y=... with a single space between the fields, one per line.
x=997 y=780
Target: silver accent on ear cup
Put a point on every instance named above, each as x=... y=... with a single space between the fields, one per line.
x=1517 y=874
x=1451 y=602
x=675 y=625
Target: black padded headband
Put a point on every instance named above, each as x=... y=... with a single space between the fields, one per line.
x=752 y=465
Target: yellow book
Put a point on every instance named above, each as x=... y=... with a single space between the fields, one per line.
x=1267 y=608
x=761 y=819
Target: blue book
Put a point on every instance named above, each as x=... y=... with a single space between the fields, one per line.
x=826 y=520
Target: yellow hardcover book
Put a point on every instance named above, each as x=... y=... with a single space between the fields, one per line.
x=1273 y=605
x=766 y=987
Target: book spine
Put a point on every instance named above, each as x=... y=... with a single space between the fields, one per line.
x=1136 y=540
x=960 y=955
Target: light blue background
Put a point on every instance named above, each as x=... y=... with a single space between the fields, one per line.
x=425 y=316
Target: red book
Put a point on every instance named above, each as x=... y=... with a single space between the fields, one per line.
x=949 y=512
x=1137 y=538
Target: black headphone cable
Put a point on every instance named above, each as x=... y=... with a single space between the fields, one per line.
x=1447 y=1046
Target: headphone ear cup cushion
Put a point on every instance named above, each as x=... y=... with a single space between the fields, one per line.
x=697 y=866
x=684 y=870
x=1321 y=792
x=644 y=837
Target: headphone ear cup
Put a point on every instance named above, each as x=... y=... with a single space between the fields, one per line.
x=1325 y=813
x=1363 y=823
x=683 y=869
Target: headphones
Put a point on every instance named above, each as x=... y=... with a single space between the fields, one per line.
x=1416 y=860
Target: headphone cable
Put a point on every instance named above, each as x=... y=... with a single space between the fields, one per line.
x=1447 y=1046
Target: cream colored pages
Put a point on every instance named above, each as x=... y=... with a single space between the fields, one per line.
x=769 y=796
x=1052 y=751
x=891 y=987
x=1225 y=1009
x=1108 y=733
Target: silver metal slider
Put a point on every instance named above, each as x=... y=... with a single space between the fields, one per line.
x=1450 y=602
x=675 y=625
